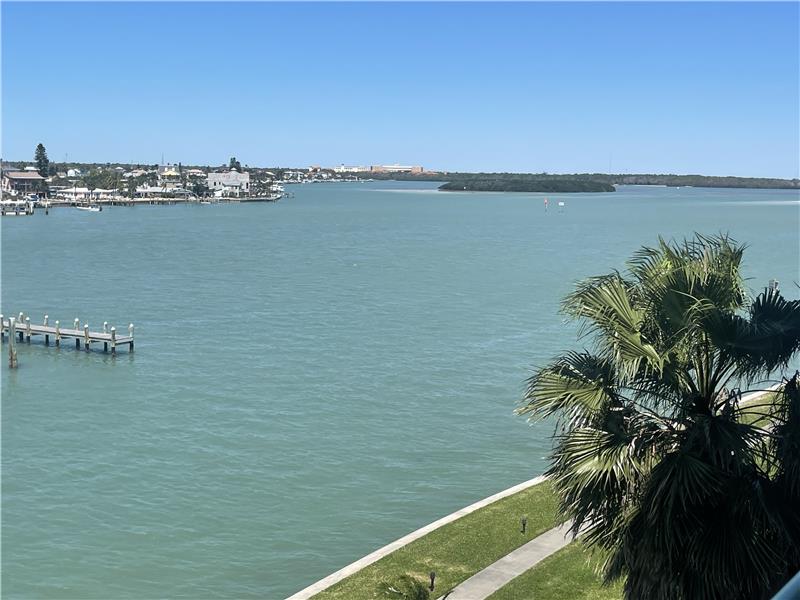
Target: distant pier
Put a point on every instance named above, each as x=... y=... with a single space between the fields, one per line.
x=21 y=329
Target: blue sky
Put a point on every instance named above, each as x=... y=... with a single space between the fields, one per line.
x=567 y=87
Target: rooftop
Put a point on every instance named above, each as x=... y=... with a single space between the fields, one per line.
x=23 y=175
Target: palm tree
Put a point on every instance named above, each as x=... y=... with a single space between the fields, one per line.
x=652 y=459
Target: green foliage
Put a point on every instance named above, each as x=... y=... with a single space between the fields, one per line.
x=131 y=185
x=406 y=588
x=199 y=188
x=653 y=460
x=604 y=178
x=234 y=164
x=526 y=184
x=101 y=179
x=42 y=162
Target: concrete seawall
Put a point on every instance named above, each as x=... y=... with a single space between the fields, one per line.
x=375 y=556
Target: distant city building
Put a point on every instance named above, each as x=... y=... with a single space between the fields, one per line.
x=229 y=183
x=21 y=182
x=396 y=169
x=344 y=169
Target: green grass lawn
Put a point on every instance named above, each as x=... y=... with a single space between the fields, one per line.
x=459 y=549
x=569 y=574
x=756 y=412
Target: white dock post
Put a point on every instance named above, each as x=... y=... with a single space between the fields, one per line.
x=12 y=348
x=2 y=327
x=58 y=334
x=46 y=317
x=28 y=329
x=86 y=336
x=46 y=335
x=77 y=329
x=113 y=340
x=105 y=330
x=20 y=321
x=130 y=333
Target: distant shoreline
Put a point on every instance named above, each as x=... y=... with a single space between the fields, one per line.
x=536 y=181
x=554 y=186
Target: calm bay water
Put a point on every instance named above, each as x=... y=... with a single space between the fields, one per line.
x=312 y=379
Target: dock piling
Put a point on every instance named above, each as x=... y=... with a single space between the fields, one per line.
x=77 y=323
x=2 y=331
x=20 y=320
x=130 y=333
x=12 y=347
x=28 y=329
x=113 y=340
x=86 y=336
x=58 y=334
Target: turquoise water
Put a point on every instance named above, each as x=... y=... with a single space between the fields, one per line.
x=312 y=379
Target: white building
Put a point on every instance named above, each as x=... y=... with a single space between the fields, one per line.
x=345 y=169
x=397 y=169
x=229 y=183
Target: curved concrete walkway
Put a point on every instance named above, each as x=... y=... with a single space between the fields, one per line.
x=485 y=583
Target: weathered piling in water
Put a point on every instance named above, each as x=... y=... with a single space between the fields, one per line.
x=12 y=348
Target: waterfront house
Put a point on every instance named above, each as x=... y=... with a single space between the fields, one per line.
x=21 y=182
x=74 y=173
x=230 y=183
x=169 y=177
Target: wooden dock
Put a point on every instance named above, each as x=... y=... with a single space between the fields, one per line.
x=22 y=328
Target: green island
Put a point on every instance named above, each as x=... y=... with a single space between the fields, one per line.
x=526 y=184
x=595 y=179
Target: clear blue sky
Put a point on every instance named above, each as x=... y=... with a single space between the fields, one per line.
x=569 y=87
